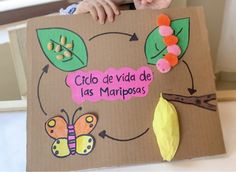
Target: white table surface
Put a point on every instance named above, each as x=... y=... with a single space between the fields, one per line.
x=13 y=146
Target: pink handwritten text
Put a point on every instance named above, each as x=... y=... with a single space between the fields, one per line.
x=113 y=84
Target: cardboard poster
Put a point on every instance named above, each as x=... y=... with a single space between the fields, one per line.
x=137 y=91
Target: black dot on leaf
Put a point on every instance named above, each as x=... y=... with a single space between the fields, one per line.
x=56 y=152
x=54 y=147
x=88 y=147
x=90 y=140
x=58 y=141
x=85 y=150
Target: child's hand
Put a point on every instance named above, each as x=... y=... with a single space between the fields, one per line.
x=151 y=4
x=99 y=9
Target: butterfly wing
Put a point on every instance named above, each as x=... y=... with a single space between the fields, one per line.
x=60 y=148
x=85 y=124
x=56 y=127
x=85 y=144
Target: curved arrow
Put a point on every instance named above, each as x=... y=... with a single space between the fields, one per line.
x=103 y=134
x=133 y=37
x=191 y=90
x=44 y=70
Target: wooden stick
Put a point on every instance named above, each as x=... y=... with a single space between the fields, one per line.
x=200 y=101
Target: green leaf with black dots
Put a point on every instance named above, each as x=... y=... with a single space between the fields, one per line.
x=155 y=48
x=65 y=49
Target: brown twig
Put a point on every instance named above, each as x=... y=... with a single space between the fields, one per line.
x=200 y=101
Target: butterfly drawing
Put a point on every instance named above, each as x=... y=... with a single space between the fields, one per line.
x=71 y=138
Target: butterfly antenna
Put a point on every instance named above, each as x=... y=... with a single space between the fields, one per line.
x=67 y=116
x=79 y=108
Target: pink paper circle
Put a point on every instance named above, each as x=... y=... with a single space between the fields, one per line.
x=174 y=49
x=165 y=30
x=163 y=66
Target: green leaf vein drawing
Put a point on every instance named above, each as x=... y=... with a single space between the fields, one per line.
x=155 y=48
x=65 y=49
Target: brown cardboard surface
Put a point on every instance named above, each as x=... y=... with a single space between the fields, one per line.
x=200 y=128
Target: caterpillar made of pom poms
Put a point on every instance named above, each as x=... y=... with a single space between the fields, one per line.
x=170 y=59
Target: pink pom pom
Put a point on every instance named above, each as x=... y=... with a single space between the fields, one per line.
x=165 y=30
x=174 y=49
x=163 y=66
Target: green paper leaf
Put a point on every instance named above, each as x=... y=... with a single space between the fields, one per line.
x=155 y=48
x=72 y=54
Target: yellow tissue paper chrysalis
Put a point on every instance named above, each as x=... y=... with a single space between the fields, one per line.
x=166 y=128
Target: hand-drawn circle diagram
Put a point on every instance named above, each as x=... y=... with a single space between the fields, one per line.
x=164 y=47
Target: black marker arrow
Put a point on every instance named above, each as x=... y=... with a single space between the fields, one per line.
x=44 y=70
x=103 y=134
x=133 y=37
x=191 y=90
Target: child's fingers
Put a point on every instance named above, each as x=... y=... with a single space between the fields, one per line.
x=85 y=7
x=93 y=12
x=113 y=6
x=100 y=11
x=151 y=4
x=108 y=10
x=144 y=2
x=81 y=8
